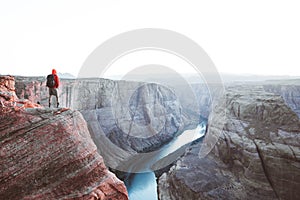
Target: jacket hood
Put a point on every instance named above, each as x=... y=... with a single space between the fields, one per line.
x=53 y=71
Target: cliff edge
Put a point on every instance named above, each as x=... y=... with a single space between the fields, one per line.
x=48 y=153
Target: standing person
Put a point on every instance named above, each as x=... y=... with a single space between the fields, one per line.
x=52 y=84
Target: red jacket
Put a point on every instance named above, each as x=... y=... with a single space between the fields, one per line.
x=55 y=78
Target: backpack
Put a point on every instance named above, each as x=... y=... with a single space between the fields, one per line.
x=50 y=81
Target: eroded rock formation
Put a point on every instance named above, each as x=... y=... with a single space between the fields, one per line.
x=257 y=154
x=49 y=153
x=8 y=98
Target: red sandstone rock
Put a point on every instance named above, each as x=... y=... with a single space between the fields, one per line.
x=8 y=98
x=48 y=154
x=7 y=91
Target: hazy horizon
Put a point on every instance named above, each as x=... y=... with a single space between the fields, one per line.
x=191 y=78
x=257 y=37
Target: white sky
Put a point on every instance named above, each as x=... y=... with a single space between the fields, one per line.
x=257 y=36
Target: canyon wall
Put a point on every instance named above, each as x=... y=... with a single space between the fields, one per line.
x=49 y=153
x=257 y=154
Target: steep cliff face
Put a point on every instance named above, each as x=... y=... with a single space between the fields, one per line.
x=257 y=154
x=133 y=116
x=49 y=154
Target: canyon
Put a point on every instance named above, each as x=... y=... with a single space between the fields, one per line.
x=250 y=151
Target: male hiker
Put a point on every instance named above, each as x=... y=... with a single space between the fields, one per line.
x=53 y=83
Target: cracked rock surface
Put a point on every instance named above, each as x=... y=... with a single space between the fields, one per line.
x=257 y=154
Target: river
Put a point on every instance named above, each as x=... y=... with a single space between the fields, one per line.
x=143 y=186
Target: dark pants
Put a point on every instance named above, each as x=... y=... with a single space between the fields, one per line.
x=53 y=91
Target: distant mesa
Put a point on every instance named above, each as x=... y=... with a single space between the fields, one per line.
x=66 y=75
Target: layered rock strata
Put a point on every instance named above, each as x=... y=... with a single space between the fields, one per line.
x=49 y=154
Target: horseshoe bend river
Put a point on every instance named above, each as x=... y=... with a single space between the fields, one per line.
x=143 y=185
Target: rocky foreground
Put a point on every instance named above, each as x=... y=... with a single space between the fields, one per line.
x=49 y=154
x=257 y=154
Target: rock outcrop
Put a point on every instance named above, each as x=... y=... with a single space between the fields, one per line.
x=8 y=97
x=257 y=154
x=49 y=153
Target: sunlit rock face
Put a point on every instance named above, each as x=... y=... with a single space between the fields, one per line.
x=256 y=155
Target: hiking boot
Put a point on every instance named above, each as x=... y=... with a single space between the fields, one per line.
x=57 y=105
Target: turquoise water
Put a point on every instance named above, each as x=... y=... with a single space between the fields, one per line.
x=143 y=186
